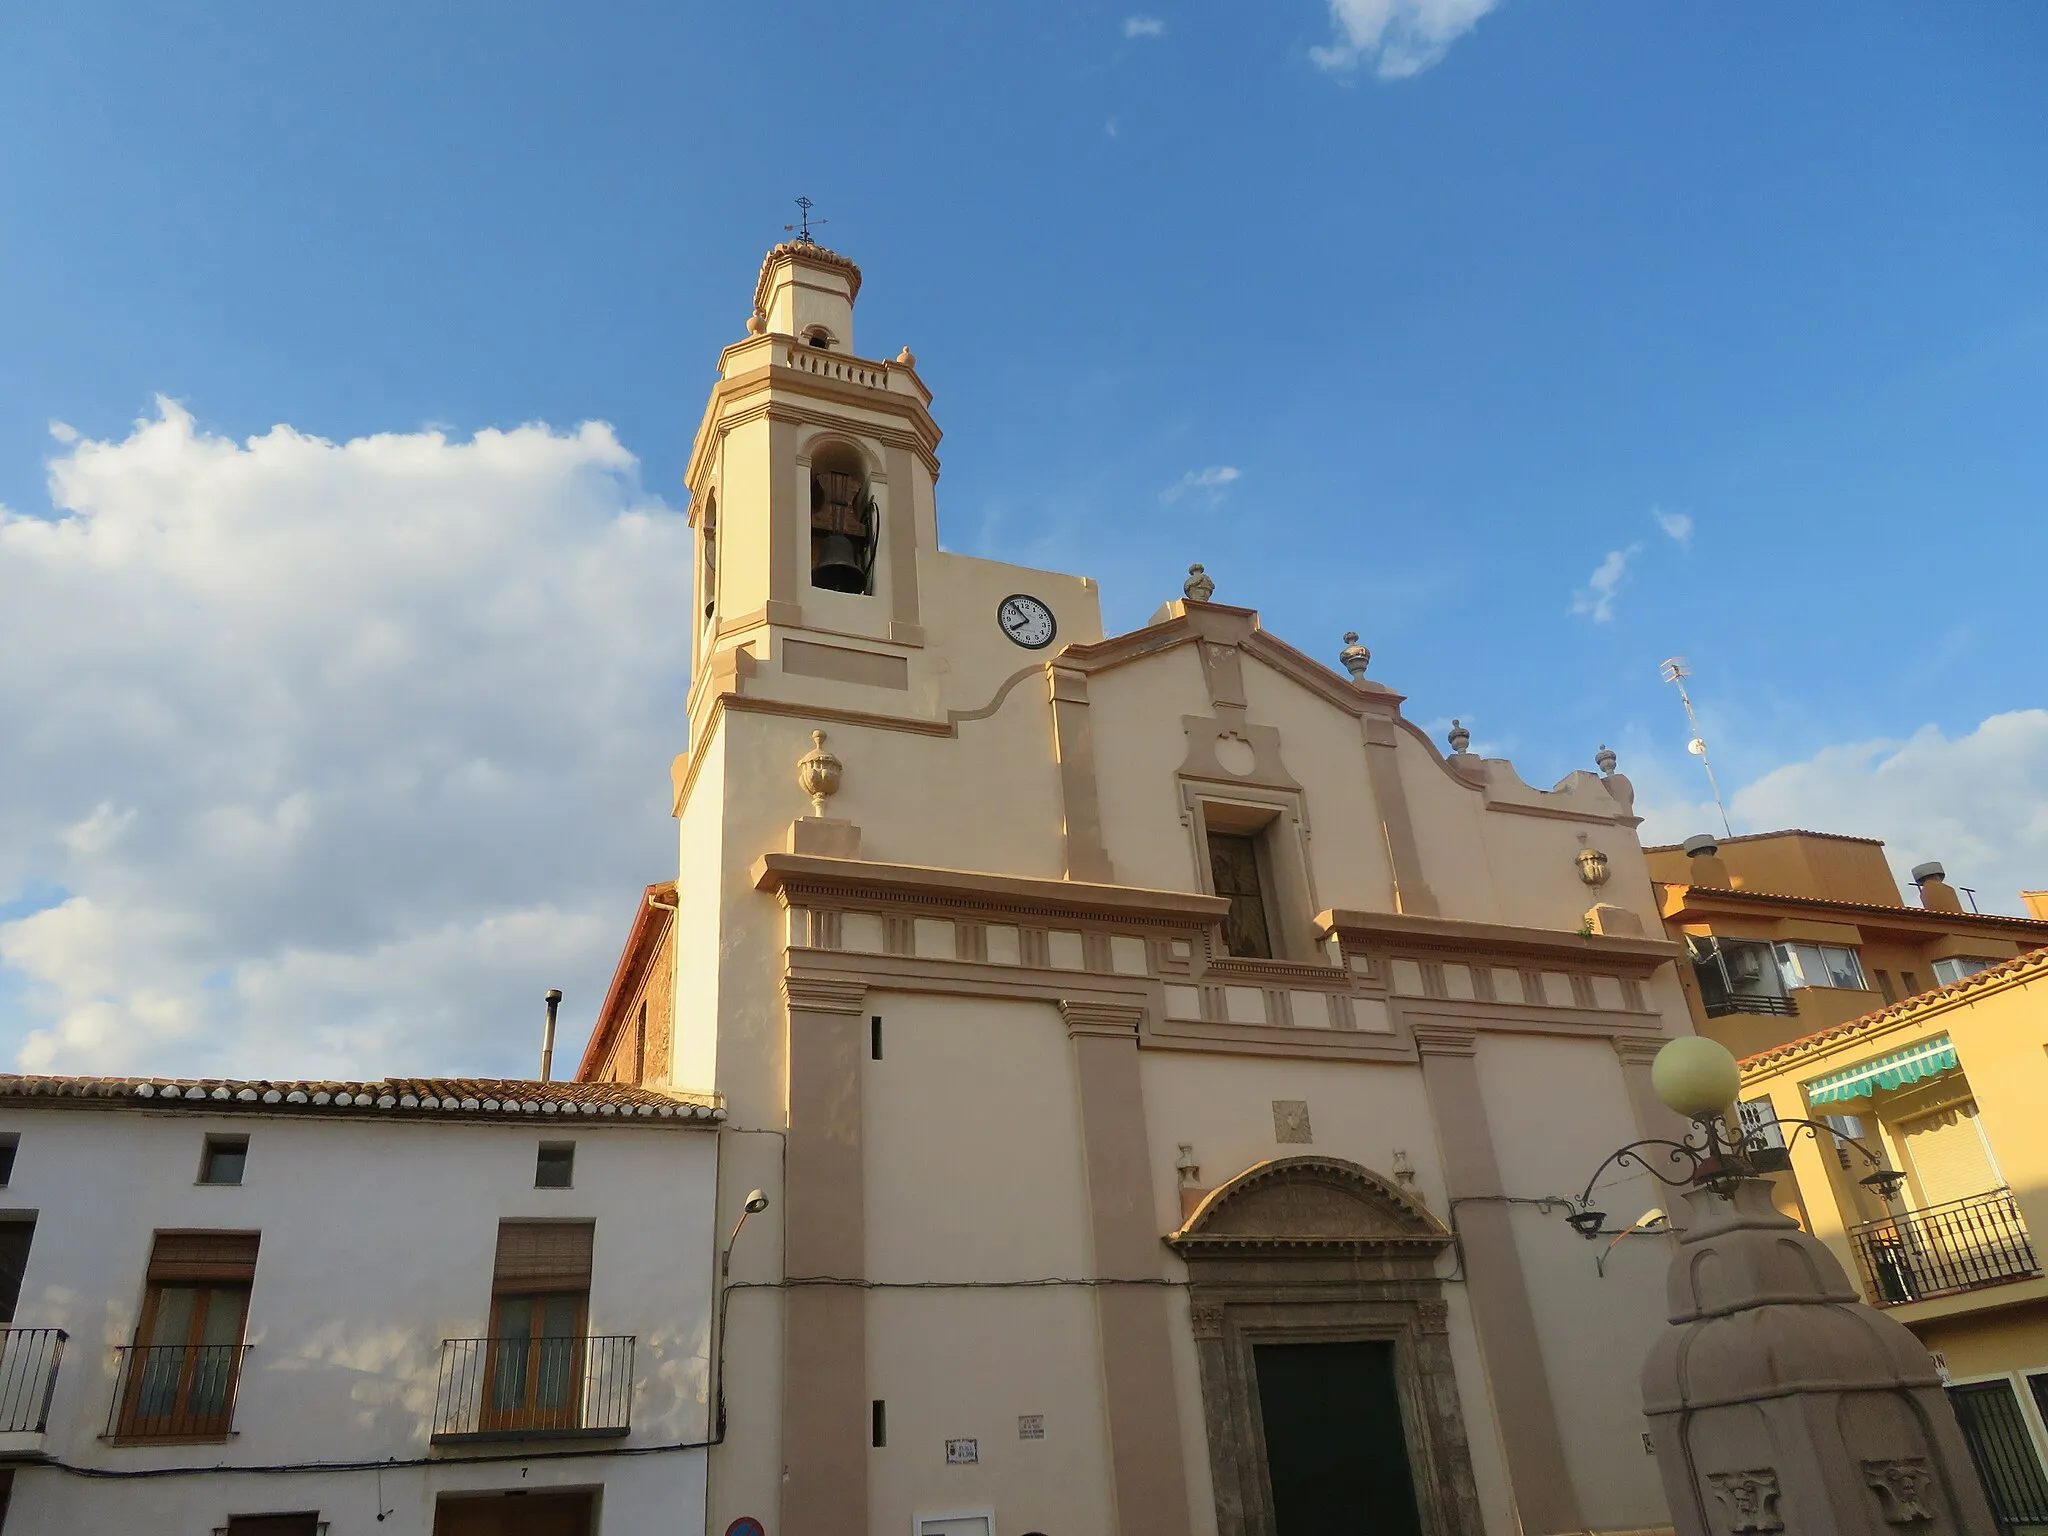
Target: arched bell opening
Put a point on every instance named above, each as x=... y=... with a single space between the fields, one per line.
x=707 y=556
x=843 y=521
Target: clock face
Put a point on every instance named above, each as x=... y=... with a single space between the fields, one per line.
x=1027 y=621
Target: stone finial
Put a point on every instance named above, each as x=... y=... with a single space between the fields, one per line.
x=818 y=773
x=1604 y=759
x=1459 y=738
x=1354 y=657
x=907 y=358
x=1198 y=587
x=756 y=323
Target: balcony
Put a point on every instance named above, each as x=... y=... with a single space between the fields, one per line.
x=171 y=1392
x=28 y=1376
x=525 y=1388
x=1944 y=1249
x=1734 y=1002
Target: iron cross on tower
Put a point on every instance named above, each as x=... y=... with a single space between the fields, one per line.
x=802 y=228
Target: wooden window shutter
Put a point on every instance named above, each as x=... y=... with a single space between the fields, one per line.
x=543 y=1256
x=205 y=1258
x=1948 y=1153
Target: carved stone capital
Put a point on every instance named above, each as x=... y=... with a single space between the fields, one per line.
x=1207 y=1320
x=1433 y=1316
x=1905 y=1487
x=814 y=994
x=1118 y=1021
x=1638 y=1050
x=1436 y=1039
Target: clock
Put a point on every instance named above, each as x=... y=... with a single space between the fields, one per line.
x=1027 y=621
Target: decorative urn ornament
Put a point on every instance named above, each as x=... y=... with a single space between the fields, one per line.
x=1593 y=866
x=1604 y=759
x=1355 y=657
x=1459 y=738
x=1198 y=587
x=818 y=773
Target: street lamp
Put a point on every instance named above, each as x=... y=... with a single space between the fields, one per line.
x=1698 y=1078
x=756 y=1201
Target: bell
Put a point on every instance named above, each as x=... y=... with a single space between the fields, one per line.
x=837 y=566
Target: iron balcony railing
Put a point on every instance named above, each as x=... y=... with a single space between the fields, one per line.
x=1943 y=1249
x=1739 y=1002
x=28 y=1375
x=524 y=1388
x=175 y=1391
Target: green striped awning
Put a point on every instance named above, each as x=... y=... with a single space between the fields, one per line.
x=1892 y=1071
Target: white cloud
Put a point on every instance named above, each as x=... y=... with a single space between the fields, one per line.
x=1213 y=479
x=337 y=755
x=1677 y=526
x=1977 y=802
x=1596 y=598
x=1144 y=26
x=1401 y=37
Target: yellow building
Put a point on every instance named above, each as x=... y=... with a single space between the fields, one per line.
x=1950 y=1089
x=1790 y=932
x=1160 y=1062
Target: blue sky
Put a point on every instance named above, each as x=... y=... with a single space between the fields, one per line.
x=1418 y=356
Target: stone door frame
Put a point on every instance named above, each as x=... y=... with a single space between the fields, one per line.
x=1308 y=1250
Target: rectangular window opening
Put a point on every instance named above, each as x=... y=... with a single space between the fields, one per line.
x=301 y=1523
x=875 y=1038
x=1235 y=873
x=555 y=1166
x=177 y=1381
x=1912 y=982
x=224 y=1160
x=878 y=1423
x=540 y=1370
x=1885 y=988
x=10 y=1141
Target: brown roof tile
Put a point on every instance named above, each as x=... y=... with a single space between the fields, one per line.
x=445 y=1098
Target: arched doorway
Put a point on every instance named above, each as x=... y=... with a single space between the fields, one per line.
x=1324 y=1346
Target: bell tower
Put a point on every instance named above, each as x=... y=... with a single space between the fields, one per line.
x=812 y=499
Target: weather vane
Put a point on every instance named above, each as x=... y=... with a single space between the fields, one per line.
x=802 y=228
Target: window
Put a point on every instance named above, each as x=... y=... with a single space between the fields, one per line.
x=224 y=1159
x=1885 y=987
x=540 y=1296
x=16 y=1232
x=640 y=1045
x=9 y=1142
x=177 y=1381
x=1912 y=979
x=555 y=1168
x=878 y=1424
x=305 y=1523
x=1234 y=869
x=1820 y=965
x=707 y=542
x=875 y=1038
x=1957 y=967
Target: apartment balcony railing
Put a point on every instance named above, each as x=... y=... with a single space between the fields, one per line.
x=29 y=1358
x=1944 y=1249
x=1733 y=1002
x=175 y=1391
x=534 y=1388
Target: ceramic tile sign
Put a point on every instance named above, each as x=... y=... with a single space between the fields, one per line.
x=962 y=1453
x=1030 y=1426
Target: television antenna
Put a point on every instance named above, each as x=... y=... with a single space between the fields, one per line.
x=802 y=228
x=1676 y=671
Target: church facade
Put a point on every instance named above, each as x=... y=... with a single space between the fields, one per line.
x=1162 y=1064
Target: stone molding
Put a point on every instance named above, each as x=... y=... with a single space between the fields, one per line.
x=820 y=994
x=1087 y=1017
x=791 y=877
x=1414 y=932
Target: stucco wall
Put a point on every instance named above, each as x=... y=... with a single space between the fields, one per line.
x=377 y=1243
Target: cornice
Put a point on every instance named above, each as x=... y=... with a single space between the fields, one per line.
x=793 y=876
x=1116 y=1021
x=1404 y=930
x=819 y=994
x=1681 y=899
x=780 y=390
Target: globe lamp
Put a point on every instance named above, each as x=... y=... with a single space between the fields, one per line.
x=1695 y=1076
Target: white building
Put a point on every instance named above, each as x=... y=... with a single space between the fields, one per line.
x=471 y=1308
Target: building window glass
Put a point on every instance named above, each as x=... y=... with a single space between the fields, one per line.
x=540 y=1298
x=224 y=1160
x=1956 y=967
x=1820 y=965
x=178 y=1379
x=1234 y=869
x=10 y=1141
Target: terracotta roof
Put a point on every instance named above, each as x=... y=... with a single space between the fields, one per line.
x=651 y=920
x=2014 y=971
x=1756 y=837
x=467 y=1098
x=1917 y=913
x=811 y=250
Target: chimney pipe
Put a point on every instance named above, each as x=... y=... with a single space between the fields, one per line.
x=547 y=1039
x=1936 y=894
